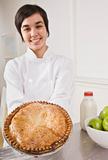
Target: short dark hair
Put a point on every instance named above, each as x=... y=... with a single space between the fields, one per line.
x=26 y=11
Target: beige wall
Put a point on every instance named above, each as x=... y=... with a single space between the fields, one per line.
x=79 y=31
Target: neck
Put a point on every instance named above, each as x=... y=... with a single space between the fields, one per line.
x=39 y=53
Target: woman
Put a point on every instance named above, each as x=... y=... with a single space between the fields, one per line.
x=38 y=74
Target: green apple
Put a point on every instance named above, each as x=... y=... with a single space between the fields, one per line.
x=105 y=123
x=104 y=113
x=96 y=123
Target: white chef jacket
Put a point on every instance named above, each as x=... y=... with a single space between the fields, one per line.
x=29 y=78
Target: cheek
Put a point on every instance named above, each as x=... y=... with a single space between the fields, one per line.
x=25 y=36
x=45 y=34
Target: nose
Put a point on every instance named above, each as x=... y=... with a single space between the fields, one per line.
x=33 y=32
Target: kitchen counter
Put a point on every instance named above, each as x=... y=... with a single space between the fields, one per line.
x=79 y=147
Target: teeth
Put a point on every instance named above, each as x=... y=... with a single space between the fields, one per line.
x=35 y=40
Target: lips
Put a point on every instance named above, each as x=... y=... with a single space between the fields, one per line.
x=35 y=41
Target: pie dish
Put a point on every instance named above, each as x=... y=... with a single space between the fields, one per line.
x=37 y=127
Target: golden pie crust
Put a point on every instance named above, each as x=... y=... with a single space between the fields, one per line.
x=37 y=127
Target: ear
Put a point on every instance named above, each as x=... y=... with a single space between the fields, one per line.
x=47 y=34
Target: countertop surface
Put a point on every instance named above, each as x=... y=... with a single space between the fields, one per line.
x=78 y=147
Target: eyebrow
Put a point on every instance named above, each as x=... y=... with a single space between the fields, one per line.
x=26 y=25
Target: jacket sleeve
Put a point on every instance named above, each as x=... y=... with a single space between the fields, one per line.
x=14 y=89
x=64 y=85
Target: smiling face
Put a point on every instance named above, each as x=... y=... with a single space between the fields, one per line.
x=34 y=33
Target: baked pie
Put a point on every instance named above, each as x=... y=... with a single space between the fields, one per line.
x=37 y=127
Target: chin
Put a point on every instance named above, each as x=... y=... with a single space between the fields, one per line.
x=36 y=48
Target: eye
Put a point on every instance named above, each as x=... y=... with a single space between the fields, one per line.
x=26 y=29
x=39 y=26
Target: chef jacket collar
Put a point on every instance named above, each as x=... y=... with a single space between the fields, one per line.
x=31 y=55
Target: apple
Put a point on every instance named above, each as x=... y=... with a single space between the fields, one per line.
x=104 y=113
x=105 y=123
x=96 y=123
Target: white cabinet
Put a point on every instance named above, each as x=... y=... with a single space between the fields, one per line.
x=91 y=40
